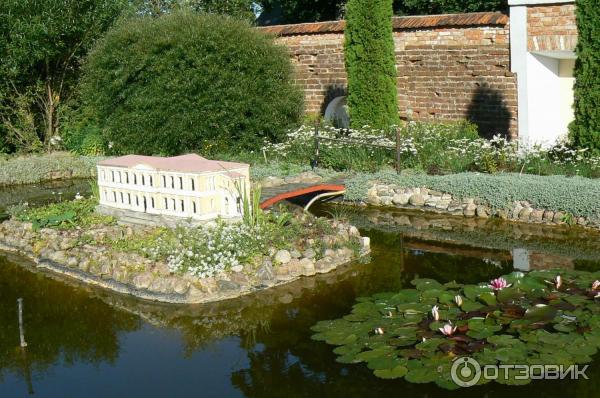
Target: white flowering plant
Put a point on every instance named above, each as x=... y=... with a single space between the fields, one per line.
x=436 y=148
x=209 y=250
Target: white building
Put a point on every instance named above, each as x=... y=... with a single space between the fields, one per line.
x=187 y=186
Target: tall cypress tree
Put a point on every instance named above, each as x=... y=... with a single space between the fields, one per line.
x=585 y=130
x=371 y=64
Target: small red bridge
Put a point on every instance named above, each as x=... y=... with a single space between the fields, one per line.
x=271 y=196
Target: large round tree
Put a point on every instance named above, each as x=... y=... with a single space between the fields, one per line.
x=371 y=64
x=585 y=130
x=188 y=82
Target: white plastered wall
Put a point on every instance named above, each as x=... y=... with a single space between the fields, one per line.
x=545 y=83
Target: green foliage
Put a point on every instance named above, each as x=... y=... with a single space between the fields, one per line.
x=41 y=47
x=419 y=7
x=399 y=334
x=585 y=129
x=243 y=9
x=575 y=195
x=371 y=64
x=185 y=82
x=76 y=213
x=295 y=11
x=39 y=168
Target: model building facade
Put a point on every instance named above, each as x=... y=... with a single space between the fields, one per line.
x=187 y=186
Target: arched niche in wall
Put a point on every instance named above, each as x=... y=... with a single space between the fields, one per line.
x=337 y=112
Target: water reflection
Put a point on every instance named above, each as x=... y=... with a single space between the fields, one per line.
x=258 y=345
x=61 y=324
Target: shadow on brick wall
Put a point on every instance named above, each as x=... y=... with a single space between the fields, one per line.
x=332 y=92
x=489 y=112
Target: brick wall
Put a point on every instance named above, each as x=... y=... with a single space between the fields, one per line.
x=449 y=67
x=552 y=28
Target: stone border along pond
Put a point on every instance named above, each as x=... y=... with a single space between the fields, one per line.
x=435 y=201
x=69 y=253
x=395 y=196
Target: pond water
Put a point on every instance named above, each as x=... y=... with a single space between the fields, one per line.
x=84 y=342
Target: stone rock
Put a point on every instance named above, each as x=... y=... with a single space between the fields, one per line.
x=143 y=280
x=160 y=285
x=240 y=278
x=558 y=217
x=432 y=201
x=455 y=206
x=324 y=265
x=309 y=253
x=282 y=257
x=106 y=268
x=537 y=215
x=295 y=253
x=482 y=212
x=385 y=200
x=180 y=286
x=272 y=182
x=525 y=213
x=548 y=216
x=265 y=272
x=226 y=285
x=59 y=257
x=416 y=200
x=73 y=262
x=352 y=231
x=194 y=293
x=237 y=268
x=503 y=214
x=400 y=199
x=308 y=267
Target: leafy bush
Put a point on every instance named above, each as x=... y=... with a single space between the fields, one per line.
x=185 y=82
x=371 y=64
x=585 y=130
x=38 y=168
x=62 y=215
x=575 y=195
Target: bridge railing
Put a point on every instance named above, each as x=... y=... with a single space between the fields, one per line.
x=397 y=148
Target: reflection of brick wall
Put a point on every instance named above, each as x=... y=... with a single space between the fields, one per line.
x=449 y=67
x=552 y=28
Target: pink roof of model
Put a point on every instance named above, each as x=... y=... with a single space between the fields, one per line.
x=191 y=163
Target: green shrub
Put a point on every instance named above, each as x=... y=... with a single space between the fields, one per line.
x=371 y=64
x=63 y=215
x=585 y=130
x=184 y=82
x=575 y=195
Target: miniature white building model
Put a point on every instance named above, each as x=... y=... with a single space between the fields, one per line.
x=187 y=186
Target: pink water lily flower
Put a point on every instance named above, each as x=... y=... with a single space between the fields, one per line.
x=596 y=285
x=448 y=329
x=499 y=284
x=435 y=312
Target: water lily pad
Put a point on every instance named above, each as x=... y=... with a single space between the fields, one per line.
x=394 y=373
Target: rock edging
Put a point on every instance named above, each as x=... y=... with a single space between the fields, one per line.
x=65 y=254
x=427 y=199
